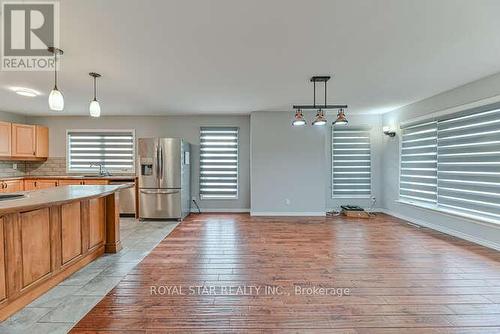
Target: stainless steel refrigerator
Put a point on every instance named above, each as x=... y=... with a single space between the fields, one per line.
x=164 y=178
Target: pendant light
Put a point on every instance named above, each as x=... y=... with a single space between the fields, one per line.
x=341 y=119
x=320 y=118
x=299 y=119
x=94 y=108
x=56 y=99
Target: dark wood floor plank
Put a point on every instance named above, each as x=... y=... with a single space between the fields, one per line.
x=400 y=279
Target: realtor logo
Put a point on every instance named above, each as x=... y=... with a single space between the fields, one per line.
x=28 y=29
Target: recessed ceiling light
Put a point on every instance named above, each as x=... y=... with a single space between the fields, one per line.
x=25 y=91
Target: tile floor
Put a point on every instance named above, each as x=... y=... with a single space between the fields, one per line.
x=60 y=308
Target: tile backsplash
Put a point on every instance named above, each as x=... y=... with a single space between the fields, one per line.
x=52 y=166
x=7 y=170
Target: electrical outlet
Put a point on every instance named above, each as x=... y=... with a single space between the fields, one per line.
x=287 y=201
x=14 y=166
x=193 y=198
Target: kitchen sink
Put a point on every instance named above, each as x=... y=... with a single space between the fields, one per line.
x=4 y=197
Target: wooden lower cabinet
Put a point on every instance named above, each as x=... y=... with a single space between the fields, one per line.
x=40 y=248
x=40 y=184
x=70 y=182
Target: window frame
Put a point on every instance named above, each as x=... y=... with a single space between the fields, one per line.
x=132 y=131
x=452 y=113
x=237 y=196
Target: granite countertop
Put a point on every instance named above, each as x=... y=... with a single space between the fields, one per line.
x=77 y=177
x=36 y=199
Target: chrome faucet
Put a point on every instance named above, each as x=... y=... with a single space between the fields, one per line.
x=102 y=170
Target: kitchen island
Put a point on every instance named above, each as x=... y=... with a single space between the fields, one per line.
x=51 y=233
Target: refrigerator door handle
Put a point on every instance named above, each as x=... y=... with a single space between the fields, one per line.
x=162 y=175
x=157 y=161
x=160 y=192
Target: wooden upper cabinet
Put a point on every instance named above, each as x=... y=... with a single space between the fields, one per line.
x=42 y=141
x=23 y=140
x=5 y=139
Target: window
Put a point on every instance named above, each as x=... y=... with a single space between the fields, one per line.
x=467 y=165
x=351 y=162
x=112 y=148
x=219 y=163
x=418 y=177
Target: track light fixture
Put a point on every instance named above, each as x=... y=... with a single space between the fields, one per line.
x=320 y=118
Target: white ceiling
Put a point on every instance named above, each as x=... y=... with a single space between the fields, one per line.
x=238 y=56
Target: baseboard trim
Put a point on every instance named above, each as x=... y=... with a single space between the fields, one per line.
x=287 y=214
x=204 y=210
x=445 y=230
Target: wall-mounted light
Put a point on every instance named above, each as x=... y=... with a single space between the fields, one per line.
x=388 y=131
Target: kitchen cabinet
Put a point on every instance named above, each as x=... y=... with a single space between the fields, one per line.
x=41 y=141
x=70 y=182
x=11 y=186
x=23 y=140
x=95 y=182
x=5 y=139
x=39 y=184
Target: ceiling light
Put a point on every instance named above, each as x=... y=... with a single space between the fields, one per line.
x=56 y=99
x=95 y=108
x=320 y=118
x=298 y=119
x=320 y=115
x=341 y=119
x=25 y=91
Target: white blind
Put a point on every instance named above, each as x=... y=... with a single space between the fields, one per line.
x=351 y=162
x=219 y=163
x=418 y=175
x=469 y=163
x=113 y=149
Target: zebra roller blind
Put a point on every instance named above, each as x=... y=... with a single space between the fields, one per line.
x=219 y=163
x=418 y=175
x=113 y=149
x=469 y=163
x=351 y=162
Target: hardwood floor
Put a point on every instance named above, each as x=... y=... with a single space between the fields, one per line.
x=400 y=279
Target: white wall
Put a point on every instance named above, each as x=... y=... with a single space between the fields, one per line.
x=376 y=141
x=486 y=234
x=187 y=127
x=286 y=163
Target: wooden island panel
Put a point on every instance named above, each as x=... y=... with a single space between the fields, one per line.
x=3 y=287
x=35 y=237
x=97 y=215
x=50 y=235
x=71 y=225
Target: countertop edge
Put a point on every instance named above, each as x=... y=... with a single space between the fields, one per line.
x=49 y=203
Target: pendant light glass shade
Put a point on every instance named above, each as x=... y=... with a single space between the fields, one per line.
x=341 y=119
x=95 y=108
x=320 y=118
x=56 y=100
x=299 y=119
